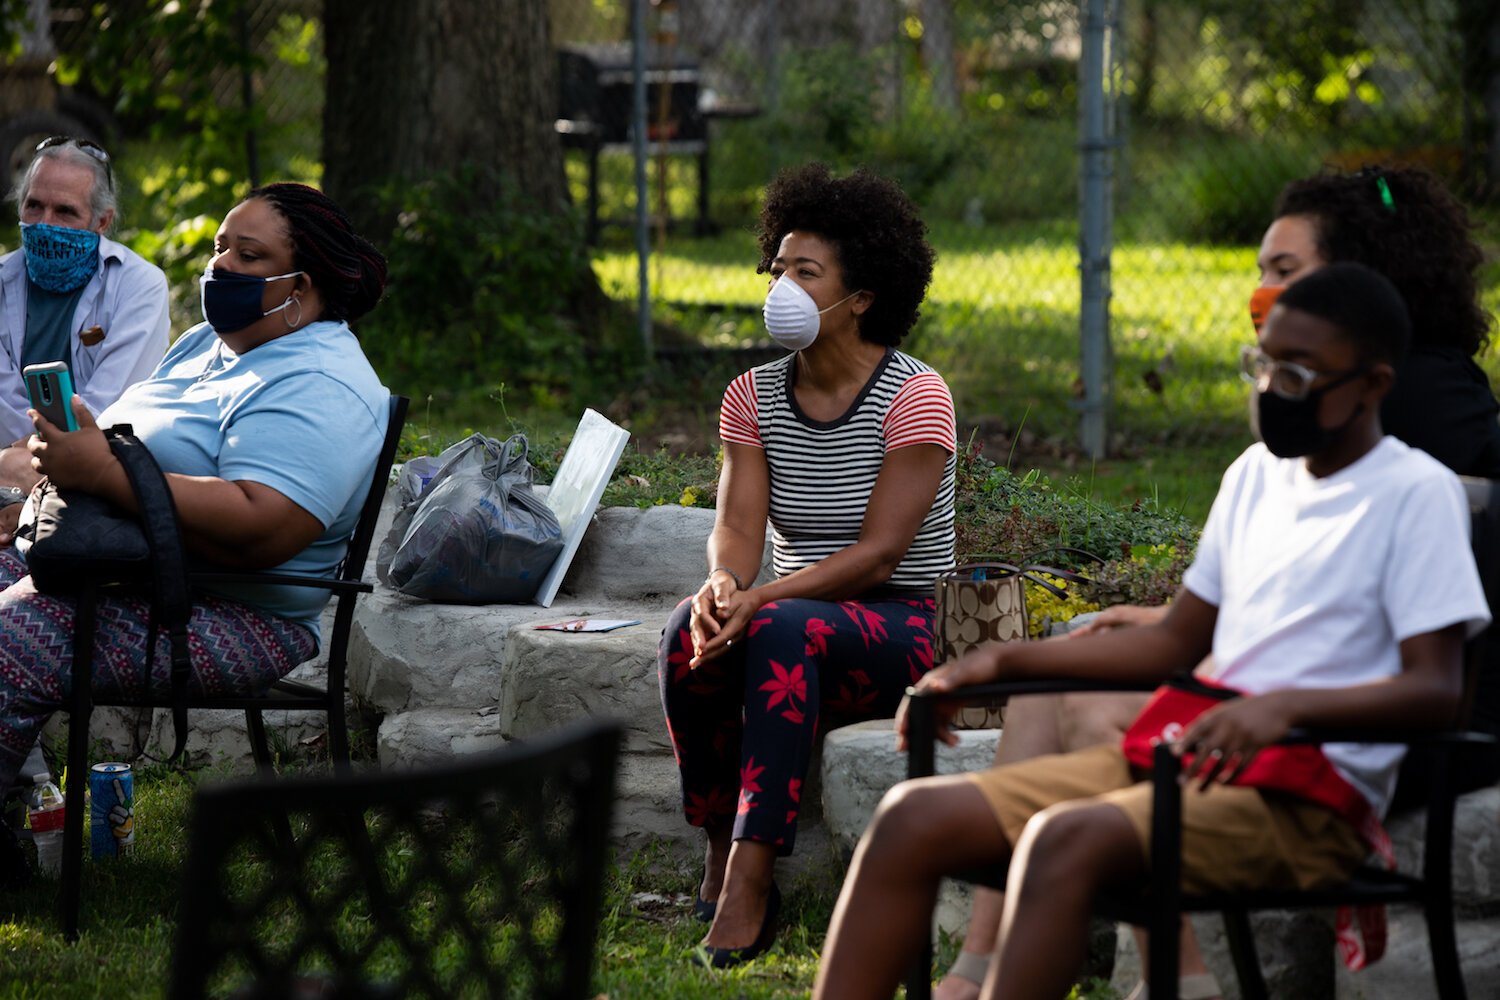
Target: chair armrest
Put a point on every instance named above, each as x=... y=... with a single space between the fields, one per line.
x=921 y=712
x=285 y=580
x=1459 y=739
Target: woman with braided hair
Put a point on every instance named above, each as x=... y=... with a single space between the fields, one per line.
x=267 y=420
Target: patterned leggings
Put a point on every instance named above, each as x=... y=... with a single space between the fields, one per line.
x=234 y=648
x=743 y=725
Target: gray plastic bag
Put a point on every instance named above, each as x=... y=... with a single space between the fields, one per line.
x=477 y=533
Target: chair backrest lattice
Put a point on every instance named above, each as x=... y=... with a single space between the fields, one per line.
x=478 y=879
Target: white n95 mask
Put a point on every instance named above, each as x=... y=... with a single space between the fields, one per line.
x=793 y=319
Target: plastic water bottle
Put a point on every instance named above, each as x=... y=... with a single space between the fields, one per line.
x=47 y=814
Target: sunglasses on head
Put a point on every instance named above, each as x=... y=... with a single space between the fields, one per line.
x=85 y=145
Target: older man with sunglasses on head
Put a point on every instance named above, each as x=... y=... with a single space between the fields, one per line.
x=71 y=294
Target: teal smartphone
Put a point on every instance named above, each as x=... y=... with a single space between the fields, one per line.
x=50 y=387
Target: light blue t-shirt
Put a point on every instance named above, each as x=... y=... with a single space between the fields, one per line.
x=304 y=414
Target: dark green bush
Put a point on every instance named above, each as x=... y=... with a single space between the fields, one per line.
x=1231 y=183
x=1008 y=516
x=484 y=291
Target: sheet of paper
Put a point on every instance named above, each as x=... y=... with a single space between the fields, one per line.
x=589 y=625
x=585 y=470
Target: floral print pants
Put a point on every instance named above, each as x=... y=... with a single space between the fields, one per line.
x=743 y=725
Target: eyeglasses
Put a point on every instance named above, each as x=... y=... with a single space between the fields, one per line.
x=1285 y=378
x=84 y=145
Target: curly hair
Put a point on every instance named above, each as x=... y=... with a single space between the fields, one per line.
x=874 y=228
x=1413 y=232
x=345 y=267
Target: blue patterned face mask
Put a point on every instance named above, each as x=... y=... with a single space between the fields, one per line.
x=59 y=259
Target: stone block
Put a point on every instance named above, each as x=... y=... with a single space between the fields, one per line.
x=435 y=735
x=1406 y=970
x=860 y=763
x=406 y=653
x=633 y=555
x=114 y=734
x=1476 y=846
x=550 y=678
x=648 y=810
x=1296 y=954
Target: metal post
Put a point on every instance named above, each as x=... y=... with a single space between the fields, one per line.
x=1096 y=99
x=638 y=141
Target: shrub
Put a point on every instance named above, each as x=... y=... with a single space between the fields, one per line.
x=484 y=291
x=1231 y=183
x=1011 y=517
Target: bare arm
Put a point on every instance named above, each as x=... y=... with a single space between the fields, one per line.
x=1426 y=693
x=239 y=524
x=1177 y=642
x=901 y=498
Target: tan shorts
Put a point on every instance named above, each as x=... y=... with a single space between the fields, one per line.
x=1232 y=838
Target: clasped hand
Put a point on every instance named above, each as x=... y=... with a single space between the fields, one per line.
x=721 y=615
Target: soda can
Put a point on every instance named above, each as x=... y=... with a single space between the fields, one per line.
x=111 y=810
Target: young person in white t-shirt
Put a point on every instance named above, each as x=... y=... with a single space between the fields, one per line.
x=1333 y=585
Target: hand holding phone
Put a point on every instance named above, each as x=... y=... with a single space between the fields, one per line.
x=50 y=387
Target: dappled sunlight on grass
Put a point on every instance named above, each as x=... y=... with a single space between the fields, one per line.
x=1001 y=324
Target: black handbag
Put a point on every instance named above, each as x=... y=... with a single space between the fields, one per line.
x=82 y=544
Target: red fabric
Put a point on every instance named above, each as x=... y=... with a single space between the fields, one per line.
x=921 y=413
x=1301 y=770
x=738 y=423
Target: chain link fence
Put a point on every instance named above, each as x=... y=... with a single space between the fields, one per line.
x=974 y=107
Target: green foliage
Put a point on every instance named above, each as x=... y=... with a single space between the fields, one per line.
x=166 y=66
x=1045 y=609
x=1001 y=514
x=818 y=107
x=482 y=291
x=161 y=60
x=1149 y=576
x=1229 y=183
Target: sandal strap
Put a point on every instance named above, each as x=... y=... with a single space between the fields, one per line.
x=1198 y=986
x=971 y=966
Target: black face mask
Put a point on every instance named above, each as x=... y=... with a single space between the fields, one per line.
x=1289 y=427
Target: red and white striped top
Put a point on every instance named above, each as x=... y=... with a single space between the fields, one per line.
x=822 y=472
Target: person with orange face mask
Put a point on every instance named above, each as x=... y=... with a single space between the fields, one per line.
x=1405 y=225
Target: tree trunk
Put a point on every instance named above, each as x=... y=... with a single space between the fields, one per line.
x=419 y=88
x=938 y=52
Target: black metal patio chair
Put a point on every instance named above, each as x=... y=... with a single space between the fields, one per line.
x=284 y=695
x=1159 y=906
x=481 y=878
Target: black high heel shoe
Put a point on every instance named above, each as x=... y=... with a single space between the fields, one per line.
x=703 y=910
x=728 y=958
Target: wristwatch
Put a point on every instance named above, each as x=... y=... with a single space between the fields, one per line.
x=11 y=495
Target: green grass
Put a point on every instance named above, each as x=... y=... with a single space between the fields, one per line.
x=646 y=936
x=1001 y=324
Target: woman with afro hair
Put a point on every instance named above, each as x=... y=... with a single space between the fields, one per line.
x=846 y=445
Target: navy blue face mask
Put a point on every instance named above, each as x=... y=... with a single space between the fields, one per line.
x=232 y=301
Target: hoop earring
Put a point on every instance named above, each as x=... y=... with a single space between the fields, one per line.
x=292 y=324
